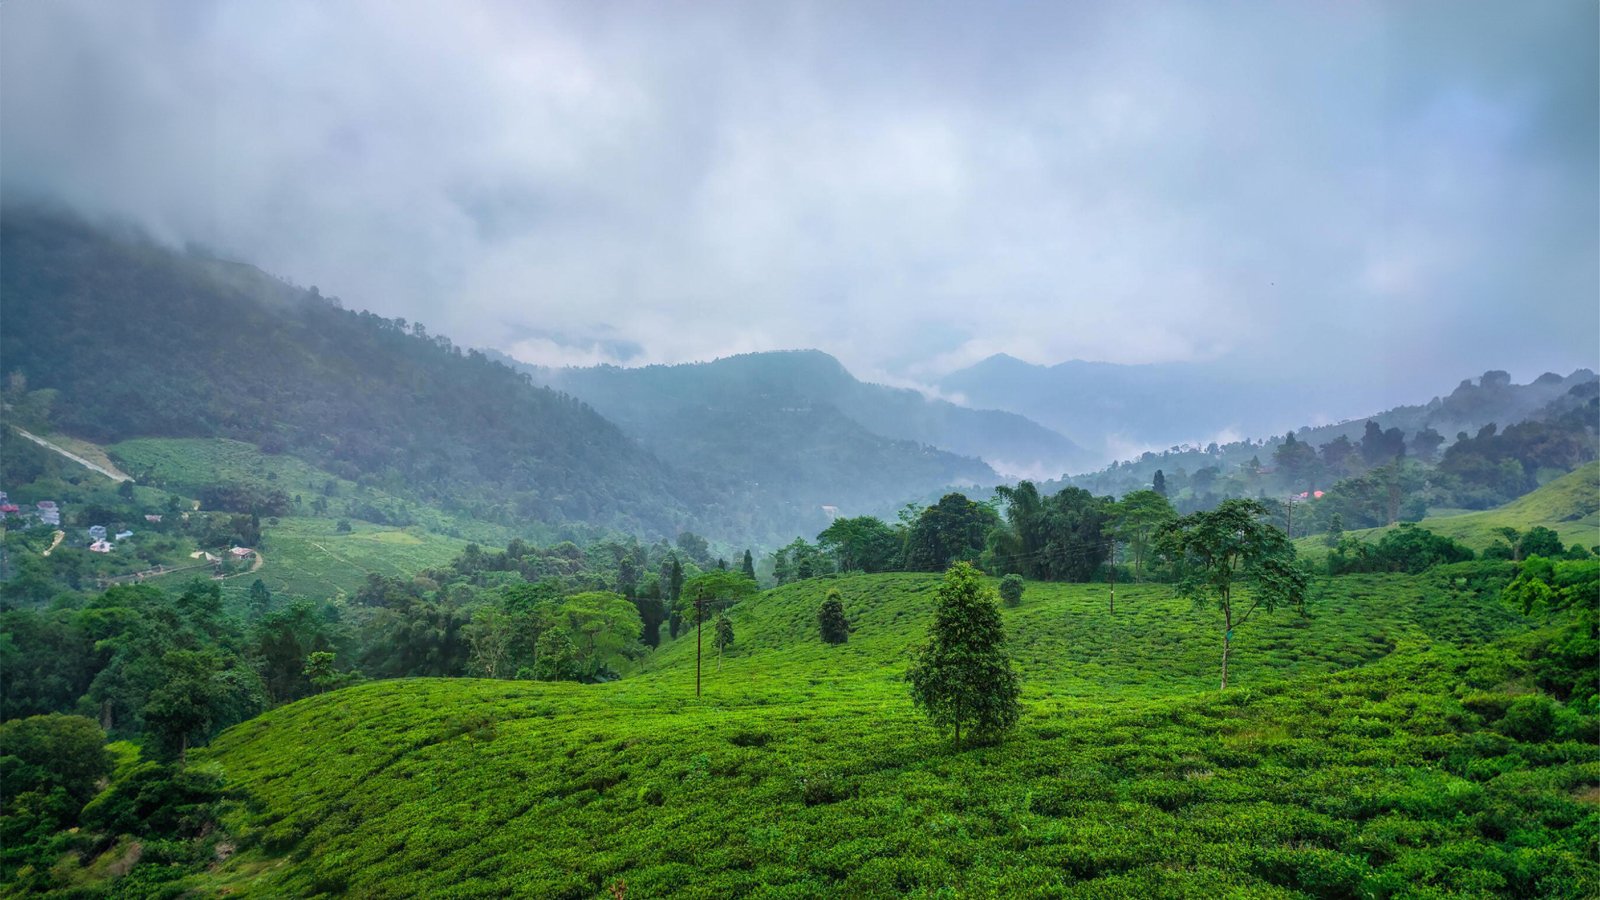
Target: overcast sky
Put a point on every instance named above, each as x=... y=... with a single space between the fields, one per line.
x=1398 y=192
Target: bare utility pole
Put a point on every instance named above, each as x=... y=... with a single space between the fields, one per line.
x=699 y=615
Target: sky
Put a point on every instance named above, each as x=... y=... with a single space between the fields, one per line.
x=1402 y=194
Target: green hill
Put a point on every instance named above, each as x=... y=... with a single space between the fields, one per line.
x=133 y=339
x=664 y=402
x=1358 y=758
x=1569 y=505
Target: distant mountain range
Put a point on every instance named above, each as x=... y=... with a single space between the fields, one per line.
x=1126 y=408
x=665 y=405
x=127 y=338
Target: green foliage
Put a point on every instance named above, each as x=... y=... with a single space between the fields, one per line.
x=1216 y=550
x=158 y=801
x=831 y=621
x=1062 y=537
x=952 y=530
x=1407 y=548
x=1356 y=759
x=1011 y=588
x=963 y=675
x=50 y=766
x=182 y=707
x=863 y=543
x=1135 y=521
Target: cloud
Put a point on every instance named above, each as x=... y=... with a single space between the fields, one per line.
x=1406 y=190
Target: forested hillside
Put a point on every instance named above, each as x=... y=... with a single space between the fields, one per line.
x=795 y=432
x=665 y=401
x=1183 y=403
x=137 y=340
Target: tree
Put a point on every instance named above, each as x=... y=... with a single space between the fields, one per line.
x=181 y=708
x=557 y=657
x=1540 y=541
x=748 y=566
x=1056 y=538
x=1159 y=483
x=1136 y=519
x=1425 y=444
x=260 y=597
x=673 y=572
x=723 y=638
x=952 y=529
x=1217 y=551
x=1011 y=588
x=963 y=675
x=1296 y=462
x=862 y=542
x=603 y=627
x=831 y=622
x=490 y=635
x=321 y=672
x=50 y=767
x=695 y=547
x=1380 y=447
x=1337 y=454
x=1335 y=530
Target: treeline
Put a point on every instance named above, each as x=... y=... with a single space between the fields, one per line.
x=1371 y=474
x=1072 y=535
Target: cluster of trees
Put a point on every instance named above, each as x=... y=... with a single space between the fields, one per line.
x=1393 y=467
x=1231 y=557
x=1070 y=535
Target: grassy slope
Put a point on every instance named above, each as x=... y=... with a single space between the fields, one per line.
x=805 y=772
x=1570 y=505
x=306 y=555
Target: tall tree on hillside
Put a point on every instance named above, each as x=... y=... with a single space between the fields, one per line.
x=181 y=710
x=748 y=566
x=963 y=675
x=951 y=530
x=1218 y=551
x=1135 y=520
x=1159 y=483
x=861 y=542
x=672 y=576
x=1296 y=462
x=1425 y=444
x=1337 y=455
x=1380 y=447
x=724 y=637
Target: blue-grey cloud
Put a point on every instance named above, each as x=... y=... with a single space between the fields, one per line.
x=1400 y=193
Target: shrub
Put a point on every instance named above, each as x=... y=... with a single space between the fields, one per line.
x=1011 y=589
x=830 y=619
x=1531 y=719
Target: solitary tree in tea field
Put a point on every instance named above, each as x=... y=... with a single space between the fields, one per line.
x=1217 y=552
x=830 y=619
x=963 y=675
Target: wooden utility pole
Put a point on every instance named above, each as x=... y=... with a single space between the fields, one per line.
x=699 y=615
